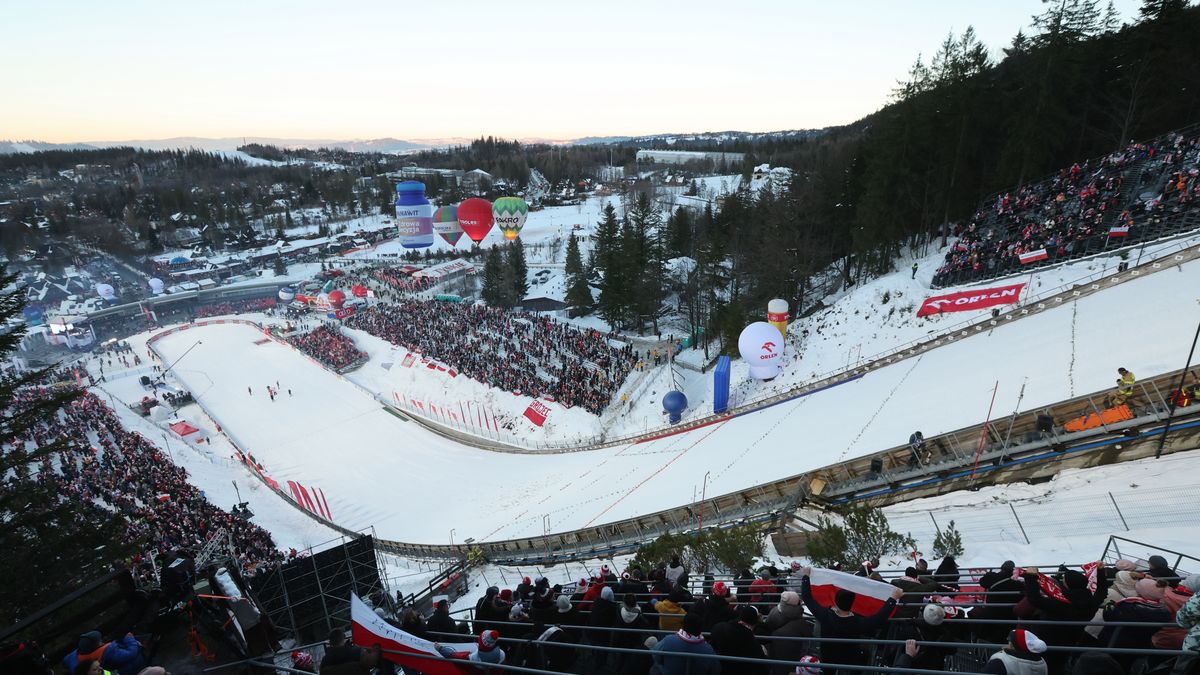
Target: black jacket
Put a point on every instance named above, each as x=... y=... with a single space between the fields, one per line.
x=851 y=627
x=732 y=638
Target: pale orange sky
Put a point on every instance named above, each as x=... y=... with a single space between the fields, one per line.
x=79 y=71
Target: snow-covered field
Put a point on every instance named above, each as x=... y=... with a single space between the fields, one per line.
x=332 y=434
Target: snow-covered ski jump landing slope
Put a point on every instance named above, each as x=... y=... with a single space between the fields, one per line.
x=414 y=486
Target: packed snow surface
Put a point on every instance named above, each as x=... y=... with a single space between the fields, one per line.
x=374 y=467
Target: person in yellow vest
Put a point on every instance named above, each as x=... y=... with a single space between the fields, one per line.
x=1124 y=387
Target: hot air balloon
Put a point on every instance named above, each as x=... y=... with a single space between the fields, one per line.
x=358 y=291
x=777 y=315
x=414 y=215
x=337 y=299
x=106 y=292
x=761 y=345
x=475 y=218
x=287 y=294
x=445 y=223
x=156 y=286
x=509 y=214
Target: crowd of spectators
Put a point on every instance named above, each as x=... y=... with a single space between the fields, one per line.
x=329 y=346
x=1074 y=211
x=236 y=307
x=121 y=471
x=661 y=617
x=519 y=352
x=401 y=280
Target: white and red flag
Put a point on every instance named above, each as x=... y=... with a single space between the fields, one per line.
x=869 y=595
x=1033 y=256
x=368 y=629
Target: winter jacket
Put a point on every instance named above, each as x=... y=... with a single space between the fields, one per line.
x=604 y=615
x=1007 y=663
x=1172 y=638
x=1188 y=617
x=442 y=622
x=715 y=609
x=558 y=649
x=1080 y=606
x=763 y=591
x=781 y=614
x=1133 y=610
x=790 y=625
x=673 y=573
x=850 y=627
x=733 y=638
x=671 y=615
x=123 y=656
x=678 y=665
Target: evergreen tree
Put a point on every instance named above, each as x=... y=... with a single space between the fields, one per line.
x=642 y=243
x=493 y=274
x=53 y=541
x=519 y=270
x=579 y=294
x=609 y=257
x=279 y=266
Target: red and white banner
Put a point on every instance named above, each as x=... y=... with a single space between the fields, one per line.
x=1118 y=231
x=869 y=595
x=537 y=412
x=368 y=629
x=407 y=361
x=313 y=502
x=1033 y=256
x=966 y=301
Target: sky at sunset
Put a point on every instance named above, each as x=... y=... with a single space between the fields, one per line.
x=79 y=71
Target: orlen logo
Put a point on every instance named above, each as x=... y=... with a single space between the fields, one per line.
x=769 y=346
x=767 y=351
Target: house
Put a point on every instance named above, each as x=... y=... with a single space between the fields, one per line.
x=540 y=303
x=477 y=181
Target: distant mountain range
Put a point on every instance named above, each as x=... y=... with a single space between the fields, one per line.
x=383 y=145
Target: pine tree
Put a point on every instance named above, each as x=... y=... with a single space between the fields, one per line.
x=53 y=542
x=493 y=274
x=609 y=258
x=279 y=266
x=520 y=270
x=579 y=295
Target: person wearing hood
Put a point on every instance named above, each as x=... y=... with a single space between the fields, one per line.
x=991 y=577
x=1081 y=605
x=1175 y=599
x=841 y=622
x=787 y=620
x=687 y=640
x=1022 y=656
x=484 y=610
x=1147 y=607
x=124 y=656
x=441 y=622
x=715 y=608
x=632 y=623
x=671 y=610
x=947 y=575
x=675 y=569
x=1159 y=569
x=1188 y=617
x=736 y=638
x=525 y=589
x=1124 y=585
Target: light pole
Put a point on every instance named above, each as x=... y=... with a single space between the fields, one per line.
x=452 y=536
x=703 y=493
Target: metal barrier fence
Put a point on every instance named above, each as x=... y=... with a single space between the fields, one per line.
x=1049 y=517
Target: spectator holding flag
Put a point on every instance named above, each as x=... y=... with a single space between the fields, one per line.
x=840 y=621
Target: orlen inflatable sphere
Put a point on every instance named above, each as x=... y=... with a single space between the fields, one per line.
x=337 y=299
x=761 y=346
x=287 y=294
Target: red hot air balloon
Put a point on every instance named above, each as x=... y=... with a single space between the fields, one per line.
x=475 y=218
x=337 y=299
x=359 y=291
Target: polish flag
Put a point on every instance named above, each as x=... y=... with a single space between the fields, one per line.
x=870 y=595
x=367 y=628
x=1033 y=256
x=1118 y=231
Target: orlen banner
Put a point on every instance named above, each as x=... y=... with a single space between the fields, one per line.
x=970 y=300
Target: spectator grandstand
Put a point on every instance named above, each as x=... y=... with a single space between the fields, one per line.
x=236 y=307
x=515 y=351
x=329 y=346
x=1139 y=193
x=120 y=471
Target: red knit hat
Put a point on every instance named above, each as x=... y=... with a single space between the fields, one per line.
x=720 y=589
x=488 y=640
x=1026 y=641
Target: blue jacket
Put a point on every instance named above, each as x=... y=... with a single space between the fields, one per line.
x=678 y=665
x=123 y=656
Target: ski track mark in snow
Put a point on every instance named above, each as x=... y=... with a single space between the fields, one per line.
x=712 y=428
x=750 y=446
x=882 y=405
x=1071 y=366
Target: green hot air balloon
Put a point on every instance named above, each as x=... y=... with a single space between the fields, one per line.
x=509 y=214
